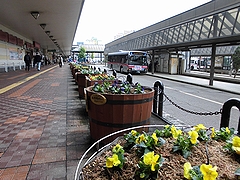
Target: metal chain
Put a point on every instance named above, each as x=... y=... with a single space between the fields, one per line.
x=193 y=112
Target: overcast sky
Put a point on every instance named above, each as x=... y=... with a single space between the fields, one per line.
x=104 y=19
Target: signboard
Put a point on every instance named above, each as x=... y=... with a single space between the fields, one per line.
x=98 y=99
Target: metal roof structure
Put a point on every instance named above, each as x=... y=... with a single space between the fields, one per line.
x=216 y=22
x=222 y=50
x=53 y=28
x=91 y=48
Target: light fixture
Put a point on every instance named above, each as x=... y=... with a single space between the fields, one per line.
x=51 y=37
x=43 y=25
x=47 y=32
x=35 y=14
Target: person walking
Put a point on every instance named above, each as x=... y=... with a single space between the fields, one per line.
x=60 y=61
x=37 y=59
x=27 y=60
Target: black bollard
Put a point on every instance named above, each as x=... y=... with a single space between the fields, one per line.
x=226 y=109
x=159 y=90
x=115 y=73
x=129 y=78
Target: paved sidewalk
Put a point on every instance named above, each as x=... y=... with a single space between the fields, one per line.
x=43 y=124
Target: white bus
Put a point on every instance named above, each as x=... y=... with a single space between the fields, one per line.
x=128 y=61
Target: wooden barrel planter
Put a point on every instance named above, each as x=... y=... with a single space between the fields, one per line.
x=112 y=112
x=74 y=71
x=81 y=81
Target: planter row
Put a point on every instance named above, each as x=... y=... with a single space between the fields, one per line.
x=112 y=112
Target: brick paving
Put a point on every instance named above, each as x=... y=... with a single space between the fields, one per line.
x=43 y=124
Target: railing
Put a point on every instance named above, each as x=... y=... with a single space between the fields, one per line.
x=225 y=111
x=13 y=65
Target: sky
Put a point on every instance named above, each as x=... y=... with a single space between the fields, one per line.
x=104 y=19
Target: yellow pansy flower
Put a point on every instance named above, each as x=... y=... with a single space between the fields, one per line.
x=199 y=127
x=117 y=148
x=236 y=144
x=112 y=161
x=194 y=136
x=176 y=133
x=236 y=141
x=213 y=133
x=236 y=149
x=140 y=139
x=187 y=167
x=209 y=172
x=173 y=128
x=227 y=130
x=134 y=133
x=166 y=126
x=151 y=159
x=154 y=136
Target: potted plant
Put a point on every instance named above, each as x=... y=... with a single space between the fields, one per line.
x=167 y=152
x=99 y=78
x=81 y=79
x=115 y=106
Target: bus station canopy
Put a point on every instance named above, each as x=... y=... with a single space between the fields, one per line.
x=52 y=24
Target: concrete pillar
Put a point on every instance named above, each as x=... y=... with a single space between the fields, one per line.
x=153 y=60
x=215 y=18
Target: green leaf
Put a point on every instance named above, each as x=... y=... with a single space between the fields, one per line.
x=186 y=153
x=176 y=148
x=237 y=172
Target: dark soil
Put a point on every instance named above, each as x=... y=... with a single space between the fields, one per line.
x=172 y=168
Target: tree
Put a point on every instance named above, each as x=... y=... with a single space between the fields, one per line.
x=236 y=61
x=92 y=56
x=82 y=53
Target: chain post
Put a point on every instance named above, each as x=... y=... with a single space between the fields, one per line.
x=226 y=112
x=130 y=78
x=115 y=73
x=159 y=89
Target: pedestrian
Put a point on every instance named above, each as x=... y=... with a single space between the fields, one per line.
x=27 y=60
x=37 y=59
x=60 y=61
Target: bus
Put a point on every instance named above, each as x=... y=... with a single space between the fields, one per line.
x=128 y=61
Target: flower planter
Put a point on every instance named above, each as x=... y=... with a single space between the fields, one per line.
x=112 y=112
x=81 y=81
x=74 y=71
x=93 y=163
x=96 y=150
x=91 y=83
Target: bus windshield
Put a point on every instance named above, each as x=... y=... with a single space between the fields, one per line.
x=137 y=60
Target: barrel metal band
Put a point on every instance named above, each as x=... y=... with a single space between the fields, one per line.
x=123 y=102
